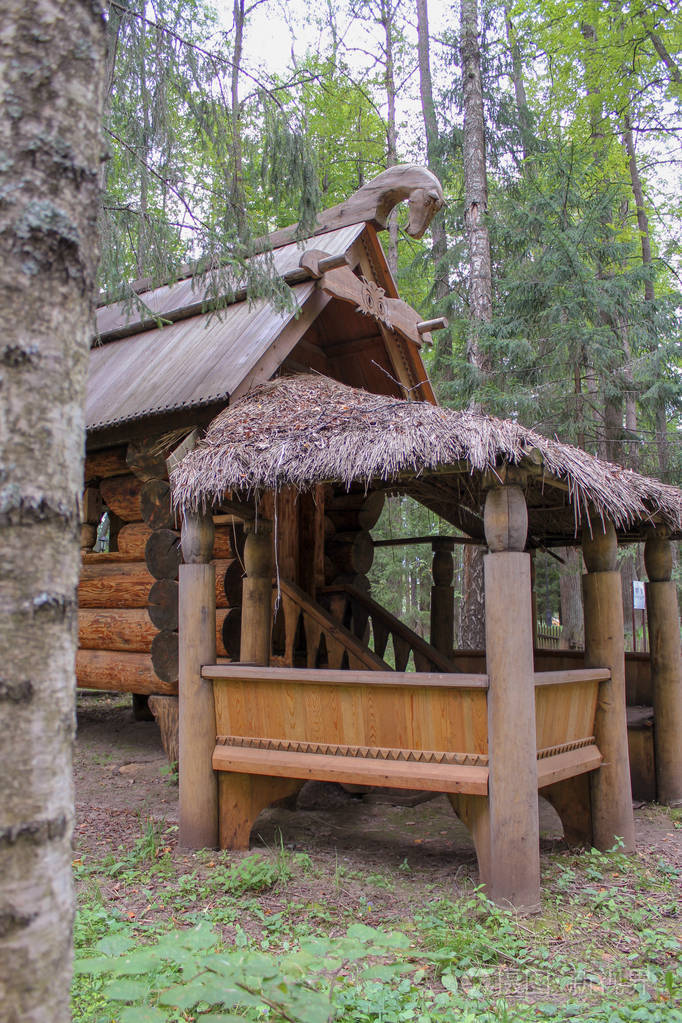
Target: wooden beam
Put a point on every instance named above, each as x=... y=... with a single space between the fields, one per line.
x=408 y=541
x=198 y=814
x=119 y=671
x=573 y=675
x=317 y=262
x=257 y=594
x=373 y=202
x=370 y=299
x=612 y=816
x=512 y=746
x=426 y=326
x=323 y=676
x=666 y=669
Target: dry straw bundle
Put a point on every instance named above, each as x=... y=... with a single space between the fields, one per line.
x=302 y=430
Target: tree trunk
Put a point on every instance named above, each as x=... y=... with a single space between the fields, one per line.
x=571 y=597
x=475 y=186
x=53 y=59
x=610 y=444
x=480 y=278
x=143 y=231
x=519 y=86
x=238 y=198
x=443 y=344
x=660 y=418
x=387 y=20
x=472 y=621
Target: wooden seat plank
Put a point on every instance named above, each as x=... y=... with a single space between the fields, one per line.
x=352 y=770
x=568 y=765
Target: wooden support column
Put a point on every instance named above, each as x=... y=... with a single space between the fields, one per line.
x=243 y=796
x=666 y=669
x=197 y=629
x=514 y=869
x=442 y=598
x=611 y=796
x=257 y=594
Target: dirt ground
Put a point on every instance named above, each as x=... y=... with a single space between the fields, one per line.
x=122 y=779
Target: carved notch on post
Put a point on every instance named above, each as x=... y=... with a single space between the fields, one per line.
x=257 y=594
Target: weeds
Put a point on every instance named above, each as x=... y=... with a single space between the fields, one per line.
x=252 y=939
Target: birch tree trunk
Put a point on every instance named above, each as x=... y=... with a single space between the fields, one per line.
x=480 y=278
x=52 y=64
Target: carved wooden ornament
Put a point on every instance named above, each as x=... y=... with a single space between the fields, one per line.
x=373 y=302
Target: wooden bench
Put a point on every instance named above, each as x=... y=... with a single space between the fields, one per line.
x=280 y=727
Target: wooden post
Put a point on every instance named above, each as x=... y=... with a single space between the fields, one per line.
x=243 y=796
x=534 y=598
x=442 y=598
x=257 y=594
x=666 y=669
x=514 y=871
x=605 y=648
x=197 y=731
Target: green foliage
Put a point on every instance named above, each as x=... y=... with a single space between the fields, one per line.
x=401 y=576
x=340 y=128
x=196 y=174
x=605 y=950
x=191 y=970
x=181 y=174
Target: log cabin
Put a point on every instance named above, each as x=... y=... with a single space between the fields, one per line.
x=244 y=456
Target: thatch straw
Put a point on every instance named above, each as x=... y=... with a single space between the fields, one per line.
x=303 y=430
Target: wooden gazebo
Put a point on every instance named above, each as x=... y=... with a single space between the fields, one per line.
x=252 y=733
x=248 y=601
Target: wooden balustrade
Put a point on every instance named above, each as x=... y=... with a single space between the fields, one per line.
x=306 y=635
x=371 y=622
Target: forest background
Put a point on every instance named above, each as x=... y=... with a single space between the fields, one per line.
x=226 y=122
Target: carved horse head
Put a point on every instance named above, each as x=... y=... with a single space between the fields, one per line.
x=418 y=185
x=375 y=200
x=423 y=205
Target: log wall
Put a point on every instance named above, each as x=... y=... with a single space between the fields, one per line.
x=128 y=597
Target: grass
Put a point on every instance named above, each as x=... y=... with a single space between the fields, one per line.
x=279 y=935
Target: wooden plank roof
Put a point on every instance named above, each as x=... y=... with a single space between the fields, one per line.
x=180 y=299
x=138 y=369
x=201 y=359
x=190 y=363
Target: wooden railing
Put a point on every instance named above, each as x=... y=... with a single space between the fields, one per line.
x=565 y=708
x=305 y=635
x=371 y=622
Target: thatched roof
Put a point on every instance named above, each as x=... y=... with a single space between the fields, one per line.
x=303 y=430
